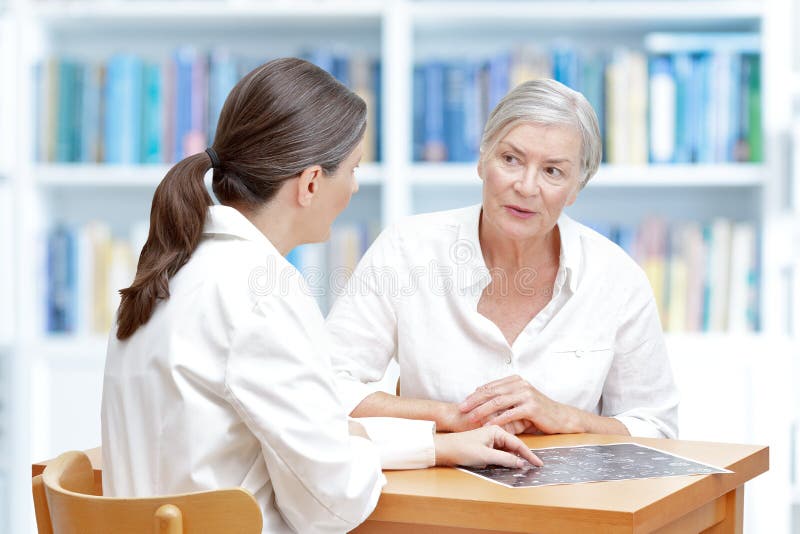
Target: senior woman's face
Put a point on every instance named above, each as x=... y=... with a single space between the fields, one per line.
x=530 y=176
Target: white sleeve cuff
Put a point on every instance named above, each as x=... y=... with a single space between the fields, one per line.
x=640 y=428
x=352 y=391
x=402 y=443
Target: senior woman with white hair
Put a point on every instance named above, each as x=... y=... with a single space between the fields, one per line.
x=510 y=312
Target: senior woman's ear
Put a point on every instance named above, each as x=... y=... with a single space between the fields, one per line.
x=479 y=167
x=308 y=184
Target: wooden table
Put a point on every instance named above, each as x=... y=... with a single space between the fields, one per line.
x=448 y=501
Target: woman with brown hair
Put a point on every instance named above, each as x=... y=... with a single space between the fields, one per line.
x=218 y=372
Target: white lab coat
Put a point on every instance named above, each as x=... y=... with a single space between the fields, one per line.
x=230 y=384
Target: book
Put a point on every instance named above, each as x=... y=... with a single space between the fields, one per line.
x=123 y=113
x=86 y=266
x=61 y=271
x=704 y=275
x=663 y=105
x=128 y=110
x=434 y=146
x=719 y=264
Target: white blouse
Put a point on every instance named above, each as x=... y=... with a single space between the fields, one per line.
x=597 y=345
x=230 y=384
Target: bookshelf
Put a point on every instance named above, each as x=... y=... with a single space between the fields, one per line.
x=144 y=176
x=401 y=33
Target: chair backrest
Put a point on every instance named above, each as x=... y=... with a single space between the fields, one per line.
x=65 y=501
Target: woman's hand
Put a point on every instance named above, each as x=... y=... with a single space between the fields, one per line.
x=452 y=419
x=514 y=404
x=483 y=446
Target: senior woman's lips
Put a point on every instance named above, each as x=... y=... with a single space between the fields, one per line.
x=519 y=212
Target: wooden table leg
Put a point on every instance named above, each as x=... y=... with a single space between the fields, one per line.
x=734 y=514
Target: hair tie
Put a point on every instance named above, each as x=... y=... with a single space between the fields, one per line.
x=215 y=162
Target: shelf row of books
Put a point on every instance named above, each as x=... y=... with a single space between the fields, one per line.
x=681 y=98
x=86 y=266
x=704 y=277
x=130 y=109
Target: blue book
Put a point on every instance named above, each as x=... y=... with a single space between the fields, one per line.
x=341 y=69
x=454 y=112
x=321 y=58
x=695 y=101
x=499 y=78
x=76 y=115
x=593 y=88
x=473 y=120
x=566 y=66
x=706 y=299
x=418 y=116
x=64 y=120
x=434 y=147
x=735 y=106
x=223 y=76
x=61 y=279
x=153 y=110
x=682 y=64
x=123 y=121
x=704 y=148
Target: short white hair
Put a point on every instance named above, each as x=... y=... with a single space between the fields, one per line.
x=550 y=103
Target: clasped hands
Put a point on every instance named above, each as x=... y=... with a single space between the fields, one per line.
x=516 y=406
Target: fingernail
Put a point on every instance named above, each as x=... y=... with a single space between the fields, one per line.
x=523 y=464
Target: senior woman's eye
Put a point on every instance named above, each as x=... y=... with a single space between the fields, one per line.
x=510 y=159
x=553 y=172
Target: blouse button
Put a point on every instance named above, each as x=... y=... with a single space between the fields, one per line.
x=580 y=353
x=508 y=360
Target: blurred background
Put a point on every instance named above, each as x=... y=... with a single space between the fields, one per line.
x=700 y=183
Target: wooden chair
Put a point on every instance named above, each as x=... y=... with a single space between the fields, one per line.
x=67 y=501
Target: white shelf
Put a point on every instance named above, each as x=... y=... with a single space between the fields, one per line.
x=796 y=84
x=731 y=175
x=610 y=14
x=67 y=346
x=145 y=176
x=187 y=13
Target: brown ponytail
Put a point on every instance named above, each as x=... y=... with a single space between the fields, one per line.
x=280 y=119
x=177 y=217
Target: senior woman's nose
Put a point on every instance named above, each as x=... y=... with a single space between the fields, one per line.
x=528 y=183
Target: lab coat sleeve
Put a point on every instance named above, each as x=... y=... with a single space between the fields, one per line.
x=281 y=384
x=640 y=390
x=363 y=324
x=402 y=443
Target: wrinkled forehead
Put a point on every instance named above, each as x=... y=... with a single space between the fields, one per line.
x=562 y=141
